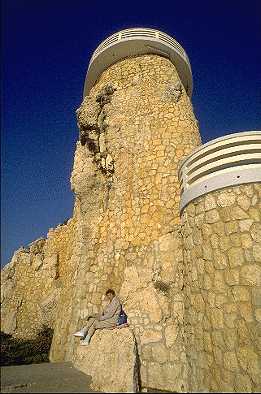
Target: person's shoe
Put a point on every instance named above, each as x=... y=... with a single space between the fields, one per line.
x=79 y=334
x=86 y=341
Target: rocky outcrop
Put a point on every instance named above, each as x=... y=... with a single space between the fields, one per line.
x=112 y=360
x=31 y=283
x=91 y=120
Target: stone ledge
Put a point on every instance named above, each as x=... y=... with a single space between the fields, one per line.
x=111 y=359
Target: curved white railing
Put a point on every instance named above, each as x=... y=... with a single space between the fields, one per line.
x=137 y=41
x=227 y=161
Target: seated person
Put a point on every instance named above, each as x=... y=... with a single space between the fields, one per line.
x=108 y=319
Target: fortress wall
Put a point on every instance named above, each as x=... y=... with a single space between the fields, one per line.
x=135 y=126
x=31 y=283
x=192 y=286
x=222 y=242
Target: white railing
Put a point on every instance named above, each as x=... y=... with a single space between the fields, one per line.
x=138 y=41
x=140 y=33
x=226 y=161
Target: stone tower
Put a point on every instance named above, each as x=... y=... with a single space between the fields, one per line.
x=221 y=217
x=173 y=227
x=136 y=123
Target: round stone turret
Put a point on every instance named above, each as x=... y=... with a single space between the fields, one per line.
x=134 y=42
x=221 y=229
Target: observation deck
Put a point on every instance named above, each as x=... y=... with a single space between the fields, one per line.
x=227 y=161
x=134 y=42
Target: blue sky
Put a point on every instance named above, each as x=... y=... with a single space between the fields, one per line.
x=46 y=47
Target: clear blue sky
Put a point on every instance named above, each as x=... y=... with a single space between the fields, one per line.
x=46 y=47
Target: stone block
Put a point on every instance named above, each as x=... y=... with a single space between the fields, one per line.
x=235 y=257
x=255 y=232
x=245 y=225
x=146 y=352
x=150 y=336
x=225 y=214
x=256 y=296
x=258 y=314
x=250 y=363
x=250 y=275
x=226 y=199
x=237 y=213
x=111 y=359
x=257 y=252
x=243 y=383
x=246 y=311
x=212 y=216
x=235 y=239
x=230 y=338
x=240 y=293
x=217 y=318
x=232 y=276
x=225 y=243
x=219 y=283
x=171 y=333
x=246 y=241
x=243 y=333
x=230 y=361
x=254 y=213
x=207 y=342
x=220 y=260
x=231 y=227
x=210 y=202
x=165 y=377
x=159 y=353
x=244 y=202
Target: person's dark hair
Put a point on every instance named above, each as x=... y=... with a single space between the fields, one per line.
x=110 y=291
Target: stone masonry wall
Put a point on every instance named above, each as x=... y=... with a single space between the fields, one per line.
x=31 y=283
x=191 y=287
x=135 y=127
x=222 y=241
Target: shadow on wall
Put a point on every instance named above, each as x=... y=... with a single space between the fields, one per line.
x=16 y=351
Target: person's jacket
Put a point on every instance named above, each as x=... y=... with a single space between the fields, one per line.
x=112 y=310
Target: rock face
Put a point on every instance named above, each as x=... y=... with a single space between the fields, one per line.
x=32 y=282
x=112 y=361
